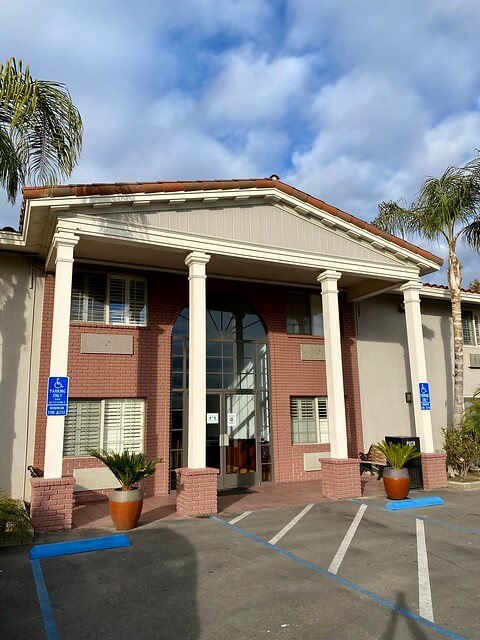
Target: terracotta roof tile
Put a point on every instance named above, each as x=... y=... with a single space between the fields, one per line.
x=118 y=188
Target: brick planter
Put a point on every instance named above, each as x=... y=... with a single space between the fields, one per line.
x=341 y=478
x=434 y=470
x=196 y=491
x=51 y=503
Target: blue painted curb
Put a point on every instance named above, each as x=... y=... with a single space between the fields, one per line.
x=56 y=549
x=414 y=503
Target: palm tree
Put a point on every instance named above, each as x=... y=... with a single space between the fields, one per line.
x=445 y=209
x=40 y=129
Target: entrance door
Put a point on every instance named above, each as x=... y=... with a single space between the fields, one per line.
x=231 y=438
x=240 y=440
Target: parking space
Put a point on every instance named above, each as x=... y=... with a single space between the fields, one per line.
x=208 y=579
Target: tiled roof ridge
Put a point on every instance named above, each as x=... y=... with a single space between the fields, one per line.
x=117 y=188
x=433 y=285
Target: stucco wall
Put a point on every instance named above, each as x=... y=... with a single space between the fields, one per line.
x=383 y=367
x=21 y=290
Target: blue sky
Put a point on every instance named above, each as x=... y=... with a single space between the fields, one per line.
x=354 y=102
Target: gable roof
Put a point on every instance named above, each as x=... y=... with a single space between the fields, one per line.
x=125 y=188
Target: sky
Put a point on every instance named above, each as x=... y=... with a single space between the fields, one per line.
x=354 y=102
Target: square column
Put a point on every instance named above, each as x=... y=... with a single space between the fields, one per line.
x=64 y=245
x=418 y=368
x=197 y=341
x=333 y=361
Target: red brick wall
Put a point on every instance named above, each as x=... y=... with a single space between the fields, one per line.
x=146 y=373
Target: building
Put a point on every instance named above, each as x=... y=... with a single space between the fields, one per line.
x=243 y=331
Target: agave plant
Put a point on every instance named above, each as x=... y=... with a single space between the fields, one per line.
x=129 y=468
x=397 y=454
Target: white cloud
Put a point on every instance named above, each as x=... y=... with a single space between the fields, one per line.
x=252 y=89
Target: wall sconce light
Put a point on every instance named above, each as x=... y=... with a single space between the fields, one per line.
x=401 y=307
x=408 y=396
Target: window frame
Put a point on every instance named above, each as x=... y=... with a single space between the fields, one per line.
x=127 y=279
x=101 y=437
x=316 y=409
x=310 y=299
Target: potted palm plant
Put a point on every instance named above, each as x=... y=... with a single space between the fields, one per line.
x=130 y=469
x=396 y=478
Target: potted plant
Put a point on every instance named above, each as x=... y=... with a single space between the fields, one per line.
x=396 y=479
x=126 y=502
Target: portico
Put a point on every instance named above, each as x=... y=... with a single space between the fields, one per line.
x=264 y=241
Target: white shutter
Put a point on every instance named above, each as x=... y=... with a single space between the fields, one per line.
x=304 y=428
x=96 y=289
x=123 y=426
x=117 y=302
x=78 y=296
x=137 y=307
x=476 y=324
x=82 y=427
x=467 y=327
x=323 y=432
x=317 y=314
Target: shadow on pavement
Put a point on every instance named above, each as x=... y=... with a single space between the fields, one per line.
x=414 y=627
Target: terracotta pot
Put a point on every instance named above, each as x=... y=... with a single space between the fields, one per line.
x=125 y=508
x=396 y=483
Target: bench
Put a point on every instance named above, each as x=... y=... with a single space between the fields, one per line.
x=373 y=461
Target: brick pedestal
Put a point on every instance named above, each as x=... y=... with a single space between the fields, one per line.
x=341 y=478
x=51 y=503
x=434 y=470
x=196 y=491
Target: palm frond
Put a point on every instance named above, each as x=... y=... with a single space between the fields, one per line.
x=12 y=173
x=44 y=127
x=471 y=234
x=396 y=219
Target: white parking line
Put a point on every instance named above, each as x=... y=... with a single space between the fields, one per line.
x=240 y=517
x=424 y=591
x=342 y=549
x=291 y=524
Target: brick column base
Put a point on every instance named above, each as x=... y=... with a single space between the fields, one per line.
x=434 y=470
x=51 y=503
x=196 y=491
x=341 y=478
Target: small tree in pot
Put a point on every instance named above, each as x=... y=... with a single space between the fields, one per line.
x=130 y=469
x=396 y=479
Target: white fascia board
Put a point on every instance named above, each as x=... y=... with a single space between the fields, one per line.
x=115 y=230
x=232 y=194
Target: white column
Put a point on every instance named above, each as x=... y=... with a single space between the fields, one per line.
x=64 y=245
x=196 y=262
x=333 y=361
x=418 y=368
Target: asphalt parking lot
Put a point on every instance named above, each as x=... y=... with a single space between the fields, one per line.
x=346 y=569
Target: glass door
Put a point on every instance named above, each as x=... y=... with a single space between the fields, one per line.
x=213 y=430
x=240 y=451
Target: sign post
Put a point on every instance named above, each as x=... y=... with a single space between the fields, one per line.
x=57 y=396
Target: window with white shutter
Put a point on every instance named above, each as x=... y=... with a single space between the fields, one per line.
x=88 y=297
x=124 y=425
x=127 y=302
x=113 y=424
x=471 y=328
x=82 y=427
x=309 y=420
x=468 y=336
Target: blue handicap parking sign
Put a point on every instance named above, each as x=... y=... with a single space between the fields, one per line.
x=57 y=396
x=424 y=389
